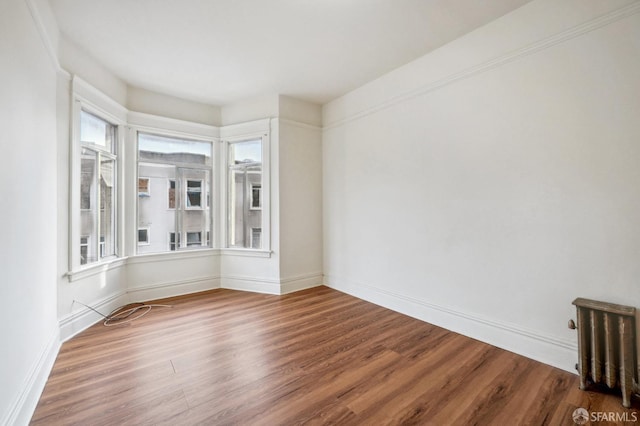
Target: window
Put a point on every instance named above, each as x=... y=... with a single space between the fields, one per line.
x=256 y=237
x=174 y=241
x=98 y=166
x=172 y=193
x=143 y=187
x=143 y=236
x=194 y=239
x=245 y=193
x=185 y=167
x=84 y=249
x=256 y=191
x=194 y=194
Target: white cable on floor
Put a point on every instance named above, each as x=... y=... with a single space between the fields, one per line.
x=116 y=317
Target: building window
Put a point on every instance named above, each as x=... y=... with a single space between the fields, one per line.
x=256 y=237
x=174 y=241
x=143 y=187
x=84 y=250
x=194 y=194
x=256 y=196
x=172 y=193
x=194 y=239
x=244 y=193
x=98 y=166
x=185 y=166
x=143 y=236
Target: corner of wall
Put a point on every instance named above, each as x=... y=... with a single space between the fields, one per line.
x=27 y=400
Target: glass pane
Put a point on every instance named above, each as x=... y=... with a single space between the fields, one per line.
x=96 y=131
x=245 y=194
x=172 y=194
x=154 y=212
x=88 y=206
x=195 y=217
x=194 y=193
x=162 y=149
x=107 y=207
x=246 y=152
x=194 y=239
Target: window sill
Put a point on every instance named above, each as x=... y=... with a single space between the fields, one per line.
x=96 y=268
x=173 y=255
x=248 y=252
x=87 y=271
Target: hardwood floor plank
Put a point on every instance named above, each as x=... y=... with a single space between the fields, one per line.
x=312 y=357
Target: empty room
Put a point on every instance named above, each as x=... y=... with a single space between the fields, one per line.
x=276 y=212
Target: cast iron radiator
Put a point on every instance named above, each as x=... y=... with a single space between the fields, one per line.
x=607 y=346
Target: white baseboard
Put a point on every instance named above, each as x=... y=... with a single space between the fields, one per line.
x=256 y=285
x=174 y=288
x=80 y=320
x=531 y=344
x=22 y=409
x=303 y=282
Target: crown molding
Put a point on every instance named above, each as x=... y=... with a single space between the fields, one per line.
x=499 y=61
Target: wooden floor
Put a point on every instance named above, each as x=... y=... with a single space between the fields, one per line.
x=313 y=357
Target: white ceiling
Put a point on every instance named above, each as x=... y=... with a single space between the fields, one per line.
x=222 y=51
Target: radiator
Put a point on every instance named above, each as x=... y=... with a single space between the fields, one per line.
x=607 y=346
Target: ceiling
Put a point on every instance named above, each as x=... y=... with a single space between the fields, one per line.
x=223 y=51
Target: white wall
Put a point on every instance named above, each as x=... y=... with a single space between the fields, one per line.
x=300 y=175
x=28 y=326
x=485 y=186
x=149 y=102
x=80 y=62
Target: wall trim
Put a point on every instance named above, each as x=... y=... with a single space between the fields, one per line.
x=171 y=256
x=95 y=269
x=156 y=123
x=22 y=409
x=173 y=288
x=490 y=64
x=46 y=40
x=78 y=321
x=95 y=99
x=256 y=285
x=300 y=282
x=544 y=348
x=300 y=124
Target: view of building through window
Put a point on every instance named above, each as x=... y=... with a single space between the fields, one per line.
x=97 y=188
x=245 y=194
x=173 y=193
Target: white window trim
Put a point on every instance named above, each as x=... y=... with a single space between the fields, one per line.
x=91 y=100
x=146 y=123
x=240 y=133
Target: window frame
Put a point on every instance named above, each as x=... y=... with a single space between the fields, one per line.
x=238 y=136
x=181 y=189
x=86 y=98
